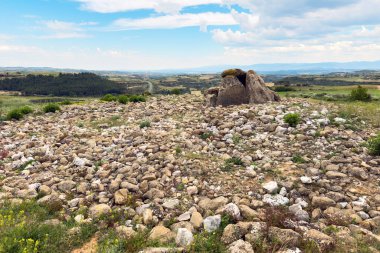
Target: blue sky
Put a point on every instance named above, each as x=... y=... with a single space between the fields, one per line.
x=163 y=34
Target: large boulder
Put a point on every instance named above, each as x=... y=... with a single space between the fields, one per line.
x=239 y=87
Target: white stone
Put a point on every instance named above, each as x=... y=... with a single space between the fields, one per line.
x=171 y=203
x=212 y=223
x=184 y=237
x=275 y=200
x=240 y=246
x=306 y=180
x=271 y=187
x=233 y=210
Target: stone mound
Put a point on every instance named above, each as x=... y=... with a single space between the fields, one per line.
x=240 y=87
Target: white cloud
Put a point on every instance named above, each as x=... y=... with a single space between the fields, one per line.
x=163 y=6
x=57 y=29
x=176 y=21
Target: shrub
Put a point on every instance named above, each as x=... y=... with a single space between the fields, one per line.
x=51 y=108
x=66 y=102
x=374 y=145
x=175 y=91
x=109 y=98
x=137 y=98
x=283 y=88
x=235 y=161
x=293 y=119
x=145 y=124
x=123 y=99
x=298 y=159
x=205 y=135
x=26 y=110
x=360 y=94
x=15 y=114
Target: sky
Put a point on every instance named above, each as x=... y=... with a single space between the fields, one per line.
x=176 y=34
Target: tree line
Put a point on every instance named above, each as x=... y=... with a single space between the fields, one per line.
x=64 y=84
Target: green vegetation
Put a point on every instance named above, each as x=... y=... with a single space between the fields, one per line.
x=298 y=159
x=374 y=145
x=109 y=98
x=123 y=99
x=229 y=163
x=360 y=94
x=176 y=91
x=137 y=98
x=83 y=84
x=26 y=110
x=66 y=102
x=205 y=135
x=22 y=230
x=15 y=114
x=145 y=124
x=207 y=242
x=293 y=119
x=283 y=88
x=51 y=108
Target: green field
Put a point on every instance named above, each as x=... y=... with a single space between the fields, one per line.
x=332 y=90
x=368 y=111
x=10 y=102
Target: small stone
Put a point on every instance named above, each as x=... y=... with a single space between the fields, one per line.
x=162 y=234
x=306 y=180
x=171 y=203
x=323 y=241
x=125 y=232
x=121 y=197
x=322 y=202
x=98 y=210
x=184 y=237
x=240 y=246
x=196 y=219
x=275 y=200
x=147 y=216
x=192 y=190
x=232 y=210
x=271 y=187
x=212 y=223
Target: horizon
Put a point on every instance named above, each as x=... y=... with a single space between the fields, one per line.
x=159 y=35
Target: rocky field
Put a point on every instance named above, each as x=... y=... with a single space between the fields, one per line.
x=200 y=179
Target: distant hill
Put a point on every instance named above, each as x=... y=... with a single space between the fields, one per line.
x=275 y=69
x=81 y=84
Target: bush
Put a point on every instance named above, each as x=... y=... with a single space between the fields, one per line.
x=293 y=119
x=137 y=98
x=283 y=88
x=26 y=110
x=51 y=108
x=123 y=99
x=109 y=98
x=360 y=94
x=176 y=91
x=66 y=102
x=374 y=145
x=15 y=114
x=145 y=124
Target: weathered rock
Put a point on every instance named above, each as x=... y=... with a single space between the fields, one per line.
x=238 y=88
x=121 y=197
x=323 y=241
x=97 y=211
x=212 y=223
x=162 y=234
x=184 y=237
x=196 y=219
x=240 y=246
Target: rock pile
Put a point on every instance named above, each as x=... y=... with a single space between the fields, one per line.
x=94 y=159
x=239 y=87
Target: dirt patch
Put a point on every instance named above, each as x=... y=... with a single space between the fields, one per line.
x=90 y=247
x=378 y=87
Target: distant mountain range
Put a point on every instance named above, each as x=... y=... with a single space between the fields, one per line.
x=276 y=68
